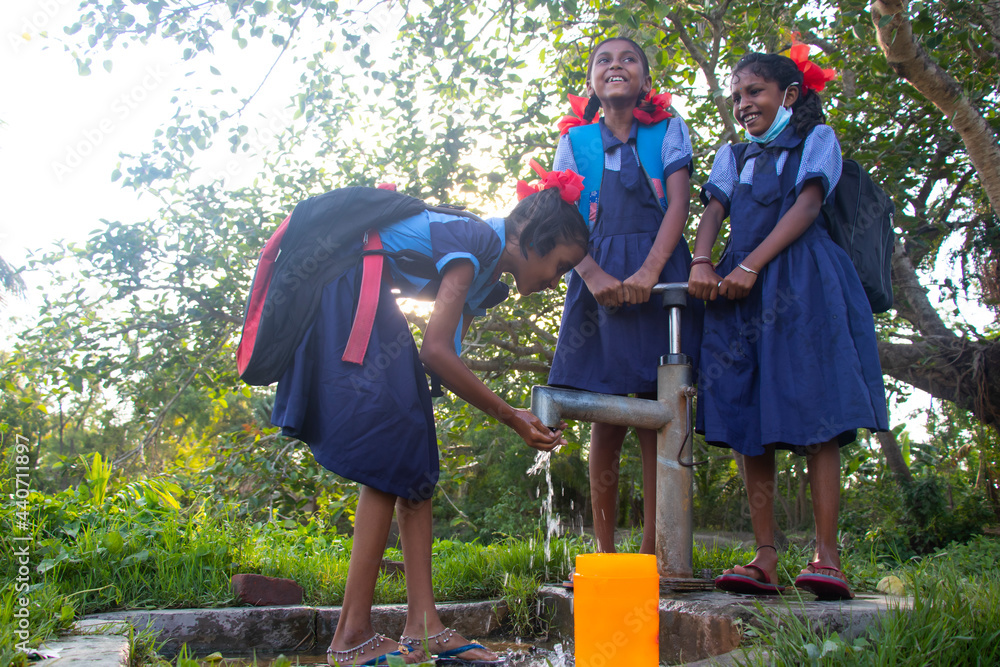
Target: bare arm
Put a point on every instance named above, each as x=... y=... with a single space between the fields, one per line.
x=703 y=283
x=639 y=285
x=438 y=354
x=608 y=291
x=797 y=220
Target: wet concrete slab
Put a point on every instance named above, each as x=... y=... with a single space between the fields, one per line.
x=292 y=629
x=700 y=625
x=92 y=644
x=701 y=628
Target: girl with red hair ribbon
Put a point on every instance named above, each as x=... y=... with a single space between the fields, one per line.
x=369 y=417
x=789 y=357
x=636 y=161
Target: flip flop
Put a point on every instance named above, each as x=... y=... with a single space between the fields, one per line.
x=449 y=657
x=744 y=585
x=824 y=586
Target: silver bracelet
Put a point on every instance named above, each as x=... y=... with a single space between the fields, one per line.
x=747 y=270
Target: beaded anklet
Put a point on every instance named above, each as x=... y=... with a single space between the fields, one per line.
x=406 y=640
x=359 y=650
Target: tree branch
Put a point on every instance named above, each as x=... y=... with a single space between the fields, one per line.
x=708 y=70
x=914 y=306
x=909 y=60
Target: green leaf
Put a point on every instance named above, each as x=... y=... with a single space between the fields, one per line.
x=885 y=20
x=137 y=557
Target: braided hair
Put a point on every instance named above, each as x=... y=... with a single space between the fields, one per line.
x=807 y=110
x=543 y=220
x=594 y=103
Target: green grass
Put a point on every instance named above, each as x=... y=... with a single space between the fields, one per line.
x=954 y=619
x=150 y=545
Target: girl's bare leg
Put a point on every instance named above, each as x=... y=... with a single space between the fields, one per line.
x=422 y=621
x=647 y=449
x=371 y=530
x=760 y=494
x=823 y=468
x=605 y=450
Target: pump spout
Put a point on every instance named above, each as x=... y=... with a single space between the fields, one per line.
x=553 y=404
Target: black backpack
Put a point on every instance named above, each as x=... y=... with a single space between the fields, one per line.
x=301 y=257
x=859 y=218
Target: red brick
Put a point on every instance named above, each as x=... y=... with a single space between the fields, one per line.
x=261 y=591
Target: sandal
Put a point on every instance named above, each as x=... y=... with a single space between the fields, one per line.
x=349 y=656
x=449 y=656
x=744 y=585
x=824 y=586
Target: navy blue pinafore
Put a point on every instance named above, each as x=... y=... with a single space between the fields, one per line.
x=374 y=423
x=617 y=350
x=795 y=363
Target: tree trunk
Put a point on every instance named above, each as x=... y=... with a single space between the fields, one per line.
x=951 y=368
x=893 y=456
x=939 y=362
x=909 y=60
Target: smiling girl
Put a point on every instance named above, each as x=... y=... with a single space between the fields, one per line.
x=789 y=357
x=636 y=163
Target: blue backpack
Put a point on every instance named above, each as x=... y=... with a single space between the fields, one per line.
x=588 y=152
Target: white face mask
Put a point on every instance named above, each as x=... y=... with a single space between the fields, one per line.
x=779 y=123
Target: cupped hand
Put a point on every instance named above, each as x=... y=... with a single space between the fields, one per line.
x=703 y=282
x=737 y=284
x=639 y=286
x=534 y=433
x=608 y=291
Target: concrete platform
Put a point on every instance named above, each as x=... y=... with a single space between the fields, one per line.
x=92 y=644
x=288 y=630
x=699 y=626
x=704 y=628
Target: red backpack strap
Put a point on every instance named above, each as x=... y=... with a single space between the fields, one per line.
x=258 y=294
x=371 y=284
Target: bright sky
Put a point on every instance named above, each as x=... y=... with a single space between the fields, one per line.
x=61 y=133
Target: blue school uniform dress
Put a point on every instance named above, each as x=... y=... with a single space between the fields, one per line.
x=373 y=423
x=795 y=363
x=617 y=350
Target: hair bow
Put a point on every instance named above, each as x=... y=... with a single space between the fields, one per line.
x=579 y=105
x=569 y=183
x=656 y=105
x=813 y=76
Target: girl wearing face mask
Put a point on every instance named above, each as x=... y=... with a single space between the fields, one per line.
x=789 y=357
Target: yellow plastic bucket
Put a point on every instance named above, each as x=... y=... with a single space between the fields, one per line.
x=616 y=617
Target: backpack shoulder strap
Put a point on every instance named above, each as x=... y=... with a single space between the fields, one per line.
x=740 y=153
x=455 y=210
x=588 y=153
x=649 y=146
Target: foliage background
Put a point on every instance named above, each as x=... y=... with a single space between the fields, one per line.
x=131 y=355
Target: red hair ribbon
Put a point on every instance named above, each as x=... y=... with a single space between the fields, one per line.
x=569 y=183
x=578 y=104
x=813 y=77
x=660 y=102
